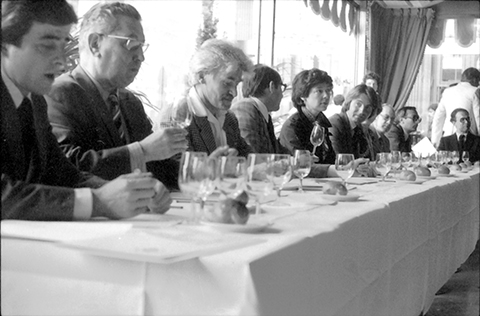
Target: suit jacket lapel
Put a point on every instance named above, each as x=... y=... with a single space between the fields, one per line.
x=11 y=128
x=206 y=133
x=100 y=110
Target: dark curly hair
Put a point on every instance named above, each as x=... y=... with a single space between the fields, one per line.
x=305 y=81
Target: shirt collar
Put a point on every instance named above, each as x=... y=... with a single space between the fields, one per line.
x=261 y=107
x=460 y=134
x=15 y=93
x=103 y=93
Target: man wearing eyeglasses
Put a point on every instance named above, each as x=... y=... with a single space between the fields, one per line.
x=462 y=140
x=382 y=124
x=406 y=122
x=264 y=92
x=101 y=126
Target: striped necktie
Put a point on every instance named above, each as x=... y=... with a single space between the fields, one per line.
x=114 y=106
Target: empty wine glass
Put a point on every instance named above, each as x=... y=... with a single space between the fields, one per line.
x=443 y=157
x=317 y=137
x=302 y=163
x=454 y=156
x=281 y=173
x=196 y=180
x=396 y=157
x=258 y=180
x=383 y=164
x=465 y=156
x=407 y=159
x=231 y=174
x=345 y=166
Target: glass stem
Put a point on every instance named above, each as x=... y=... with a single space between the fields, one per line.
x=301 y=185
x=258 y=209
x=314 y=149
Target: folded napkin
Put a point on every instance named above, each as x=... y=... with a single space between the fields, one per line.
x=424 y=147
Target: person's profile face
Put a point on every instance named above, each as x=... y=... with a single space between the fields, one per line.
x=318 y=98
x=462 y=122
x=410 y=121
x=384 y=120
x=372 y=83
x=221 y=87
x=118 y=65
x=360 y=109
x=34 y=64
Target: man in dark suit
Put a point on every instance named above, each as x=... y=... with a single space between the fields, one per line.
x=101 y=126
x=462 y=140
x=382 y=124
x=38 y=182
x=406 y=121
x=216 y=68
x=264 y=91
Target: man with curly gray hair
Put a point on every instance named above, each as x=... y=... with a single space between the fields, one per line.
x=216 y=69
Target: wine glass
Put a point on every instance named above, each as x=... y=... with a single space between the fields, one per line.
x=465 y=157
x=383 y=164
x=195 y=180
x=231 y=174
x=317 y=136
x=396 y=157
x=454 y=156
x=258 y=180
x=407 y=159
x=281 y=173
x=345 y=166
x=302 y=163
x=443 y=157
x=176 y=115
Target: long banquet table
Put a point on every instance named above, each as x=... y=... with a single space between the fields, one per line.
x=384 y=254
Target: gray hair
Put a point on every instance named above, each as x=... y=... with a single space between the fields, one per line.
x=215 y=55
x=102 y=18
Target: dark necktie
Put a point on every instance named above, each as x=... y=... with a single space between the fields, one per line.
x=461 y=146
x=114 y=106
x=359 y=142
x=271 y=133
x=25 y=115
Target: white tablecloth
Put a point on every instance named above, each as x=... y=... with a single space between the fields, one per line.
x=385 y=254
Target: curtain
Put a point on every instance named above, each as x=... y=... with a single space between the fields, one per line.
x=398 y=41
x=328 y=10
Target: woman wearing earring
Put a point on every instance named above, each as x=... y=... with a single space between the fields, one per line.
x=311 y=93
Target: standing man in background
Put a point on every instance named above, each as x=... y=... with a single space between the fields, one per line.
x=459 y=96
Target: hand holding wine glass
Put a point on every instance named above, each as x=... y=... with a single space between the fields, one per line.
x=317 y=137
x=302 y=163
x=345 y=166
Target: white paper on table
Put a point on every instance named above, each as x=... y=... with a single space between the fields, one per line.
x=61 y=231
x=424 y=147
x=161 y=246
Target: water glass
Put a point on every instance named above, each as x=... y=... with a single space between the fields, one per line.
x=281 y=173
x=345 y=166
x=317 y=136
x=302 y=164
x=383 y=163
x=231 y=171
x=258 y=181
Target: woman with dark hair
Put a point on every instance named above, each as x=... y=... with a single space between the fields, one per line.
x=311 y=93
x=347 y=135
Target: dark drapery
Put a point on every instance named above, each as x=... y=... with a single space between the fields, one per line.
x=398 y=41
x=329 y=10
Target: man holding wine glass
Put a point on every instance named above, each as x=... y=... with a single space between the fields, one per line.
x=101 y=126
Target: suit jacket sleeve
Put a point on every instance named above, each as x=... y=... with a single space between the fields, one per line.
x=437 y=123
x=251 y=126
x=82 y=136
x=393 y=137
x=339 y=135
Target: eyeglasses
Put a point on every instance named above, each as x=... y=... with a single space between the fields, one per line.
x=464 y=119
x=387 y=118
x=283 y=87
x=414 y=118
x=131 y=44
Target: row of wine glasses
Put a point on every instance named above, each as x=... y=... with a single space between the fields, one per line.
x=259 y=175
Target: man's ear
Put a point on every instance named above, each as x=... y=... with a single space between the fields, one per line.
x=94 y=43
x=271 y=87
